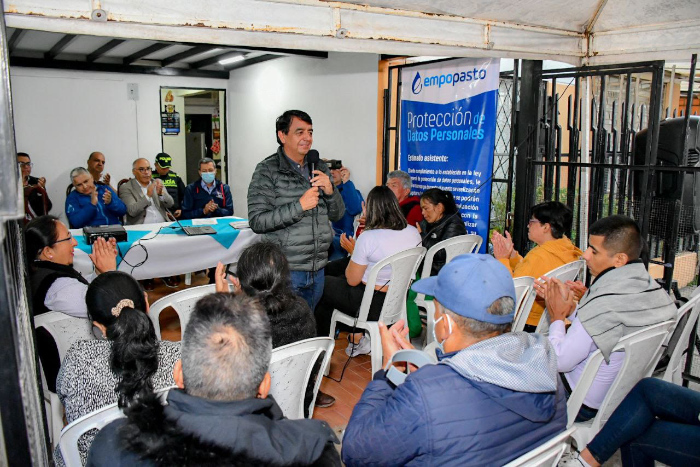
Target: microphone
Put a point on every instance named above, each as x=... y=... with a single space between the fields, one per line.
x=312 y=158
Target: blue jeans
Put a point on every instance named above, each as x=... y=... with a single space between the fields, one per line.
x=656 y=421
x=309 y=286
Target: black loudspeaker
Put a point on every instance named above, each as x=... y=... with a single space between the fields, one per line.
x=669 y=186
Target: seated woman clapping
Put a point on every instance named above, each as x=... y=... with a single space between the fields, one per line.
x=54 y=284
x=263 y=272
x=127 y=364
x=386 y=233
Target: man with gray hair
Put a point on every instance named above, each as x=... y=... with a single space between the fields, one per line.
x=90 y=204
x=207 y=197
x=222 y=413
x=399 y=182
x=493 y=395
x=146 y=199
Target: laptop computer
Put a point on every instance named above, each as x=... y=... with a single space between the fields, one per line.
x=193 y=230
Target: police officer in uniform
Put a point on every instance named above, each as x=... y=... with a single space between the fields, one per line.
x=171 y=181
x=176 y=188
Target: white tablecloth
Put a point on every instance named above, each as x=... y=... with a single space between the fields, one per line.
x=167 y=251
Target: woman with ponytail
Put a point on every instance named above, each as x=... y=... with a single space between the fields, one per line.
x=441 y=220
x=127 y=365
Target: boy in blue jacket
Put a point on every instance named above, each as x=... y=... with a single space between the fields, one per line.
x=90 y=204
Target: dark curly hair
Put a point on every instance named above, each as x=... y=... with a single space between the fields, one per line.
x=263 y=271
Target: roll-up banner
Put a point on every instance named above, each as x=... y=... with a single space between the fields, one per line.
x=448 y=133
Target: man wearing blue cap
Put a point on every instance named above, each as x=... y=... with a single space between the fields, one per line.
x=493 y=395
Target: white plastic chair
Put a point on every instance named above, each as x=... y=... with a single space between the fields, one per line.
x=291 y=367
x=454 y=246
x=673 y=373
x=403 y=269
x=641 y=356
x=567 y=272
x=183 y=303
x=98 y=419
x=524 y=298
x=545 y=455
x=64 y=330
x=68 y=443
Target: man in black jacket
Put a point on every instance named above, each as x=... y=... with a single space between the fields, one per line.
x=291 y=204
x=222 y=413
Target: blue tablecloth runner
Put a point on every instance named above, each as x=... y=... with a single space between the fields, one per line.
x=225 y=234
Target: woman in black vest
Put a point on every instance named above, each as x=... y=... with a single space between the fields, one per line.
x=55 y=285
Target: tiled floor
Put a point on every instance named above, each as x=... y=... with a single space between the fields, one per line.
x=357 y=373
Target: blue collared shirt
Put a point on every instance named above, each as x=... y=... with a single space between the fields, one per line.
x=209 y=189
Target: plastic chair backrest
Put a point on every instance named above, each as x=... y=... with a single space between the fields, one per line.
x=68 y=444
x=291 y=366
x=525 y=295
x=64 y=329
x=567 y=272
x=673 y=373
x=404 y=265
x=454 y=246
x=183 y=303
x=545 y=455
x=641 y=356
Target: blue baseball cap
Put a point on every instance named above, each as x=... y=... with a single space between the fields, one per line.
x=468 y=285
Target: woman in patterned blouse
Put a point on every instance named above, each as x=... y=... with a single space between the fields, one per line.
x=128 y=364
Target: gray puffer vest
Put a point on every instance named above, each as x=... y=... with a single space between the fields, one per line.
x=274 y=210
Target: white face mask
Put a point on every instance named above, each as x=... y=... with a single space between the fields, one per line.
x=449 y=327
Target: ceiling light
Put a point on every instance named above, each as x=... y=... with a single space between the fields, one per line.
x=235 y=59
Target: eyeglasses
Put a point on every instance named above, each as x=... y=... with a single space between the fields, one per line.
x=144 y=170
x=25 y=164
x=533 y=220
x=67 y=239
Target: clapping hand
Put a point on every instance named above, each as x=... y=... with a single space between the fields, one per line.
x=559 y=299
x=210 y=207
x=223 y=280
x=578 y=288
x=502 y=246
x=347 y=243
x=393 y=340
x=107 y=196
x=104 y=255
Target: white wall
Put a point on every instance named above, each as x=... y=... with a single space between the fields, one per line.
x=62 y=116
x=340 y=95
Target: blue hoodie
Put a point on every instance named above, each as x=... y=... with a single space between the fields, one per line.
x=484 y=405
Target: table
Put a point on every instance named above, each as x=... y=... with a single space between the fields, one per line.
x=164 y=249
